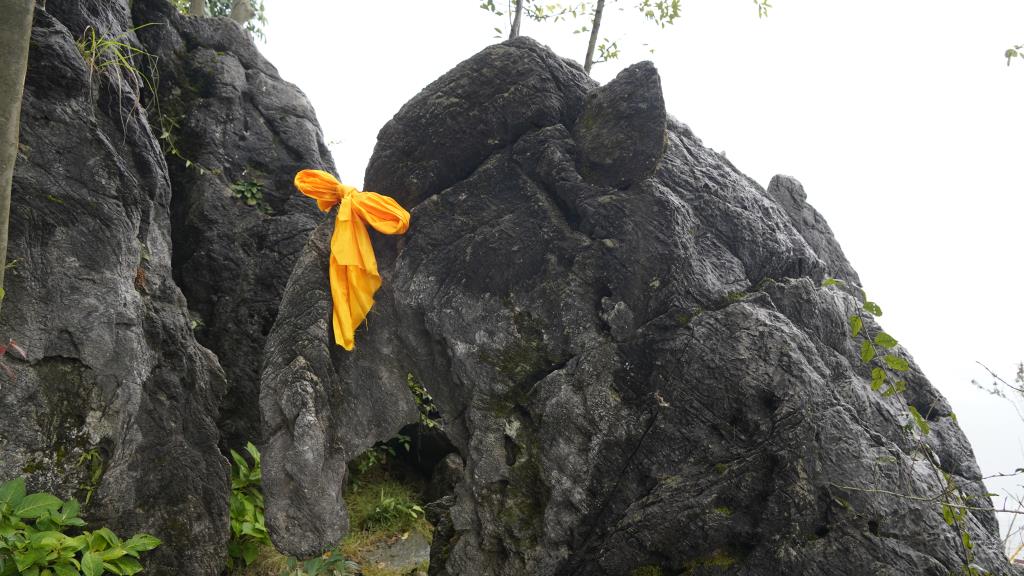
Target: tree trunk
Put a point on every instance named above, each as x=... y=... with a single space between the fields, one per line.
x=593 y=36
x=241 y=11
x=514 y=33
x=15 y=32
x=198 y=8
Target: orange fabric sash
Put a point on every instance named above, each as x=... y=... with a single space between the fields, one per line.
x=353 y=267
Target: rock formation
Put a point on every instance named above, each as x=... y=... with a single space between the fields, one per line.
x=630 y=345
x=628 y=339
x=236 y=129
x=118 y=402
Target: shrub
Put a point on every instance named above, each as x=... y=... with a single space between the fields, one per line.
x=36 y=538
x=248 y=529
x=387 y=506
x=249 y=538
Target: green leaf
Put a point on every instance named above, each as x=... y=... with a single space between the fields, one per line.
x=47 y=539
x=141 y=543
x=947 y=514
x=856 y=324
x=896 y=363
x=872 y=308
x=243 y=466
x=251 y=449
x=78 y=542
x=65 y=570
x=884 y=340
x=12 y=492
x=965 y=538
x=113 y=553
x=249 y=552
x=36 y=505
x=69 y=510
x=313 y=565
x=896 y=388
x=829 y=282
x=125 y=566
x=867 y=351
x=92 y=565
x=102 y=539
x=25 y=559
x=922 y=424
x=877 y=378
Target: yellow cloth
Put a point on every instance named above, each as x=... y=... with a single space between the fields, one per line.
x=353 y=268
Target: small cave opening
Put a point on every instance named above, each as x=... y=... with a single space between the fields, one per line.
x=398 y=494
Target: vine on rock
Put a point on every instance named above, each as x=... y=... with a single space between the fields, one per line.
x=877 y=352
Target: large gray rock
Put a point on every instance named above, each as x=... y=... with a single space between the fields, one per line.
x=323 y=406
x=104 y=231
x=630 y=346
x=231 y=122
x=115 y=382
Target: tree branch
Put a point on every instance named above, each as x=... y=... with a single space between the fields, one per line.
x=589 y=63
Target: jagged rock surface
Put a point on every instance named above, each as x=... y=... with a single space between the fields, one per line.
x=630 y=345
x=113 y=370
x=234 y=126
x=789 y=193
x=116 y=384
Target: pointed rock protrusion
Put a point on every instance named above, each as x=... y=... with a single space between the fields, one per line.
x=621 y=132
x=789 y=193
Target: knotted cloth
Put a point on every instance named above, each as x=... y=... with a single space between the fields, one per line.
x=353 y=267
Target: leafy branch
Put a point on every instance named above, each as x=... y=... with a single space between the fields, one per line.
x=1014 y=52
x=875 y=352
x=660 y=12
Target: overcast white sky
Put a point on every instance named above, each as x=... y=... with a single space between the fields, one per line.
x=900 y=117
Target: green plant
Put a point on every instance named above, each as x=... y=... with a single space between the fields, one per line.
x=223 y=8
x=105 y=53
x=383 y=506
x=1014 y=52
x=92 y=463
x=380 y=453
x=429 y=414
x=331 y=563
x=954 y=503
x=249 y=538
x=251 y=193
x=114 y=56
x=884 y=367
x=169 y=127
x=248 y=528
x=36 y=538
x=392 y=512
